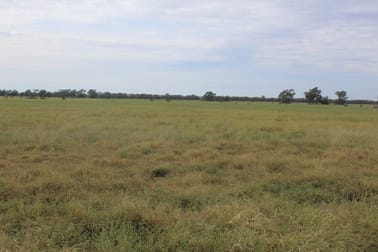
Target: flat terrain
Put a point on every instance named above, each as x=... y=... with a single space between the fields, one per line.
x=133 y=175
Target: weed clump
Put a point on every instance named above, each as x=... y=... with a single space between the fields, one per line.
x=122 y=154
x=159 y=173
x=189 y=202
x=147 y=151
x=276 y=166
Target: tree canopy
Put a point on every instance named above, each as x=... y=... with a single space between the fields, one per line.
x=286 y=96
x=341 y=97
x=314 y=95
x=209 y=96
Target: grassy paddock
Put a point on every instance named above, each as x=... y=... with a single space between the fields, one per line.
x=132 y=175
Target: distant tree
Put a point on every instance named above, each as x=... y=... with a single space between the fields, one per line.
x=341 y=97
x=64 y=93
x=167 y=97
x=92 y=93
x=313 y=95
x=81 y=93
x=35 y=93
x=286 y=96
x=72 y=93
x=31 y=94
x=13 y=93
x=28 y=93
x=7 y=93
x=209 y=96
x=42 y=94
x=107 y=95
x=324 y=100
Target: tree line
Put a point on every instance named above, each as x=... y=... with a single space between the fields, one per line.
x=91 y=93
x=312 y=96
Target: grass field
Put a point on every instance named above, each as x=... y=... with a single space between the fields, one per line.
x=133 y=175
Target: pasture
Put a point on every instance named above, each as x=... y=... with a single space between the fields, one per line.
x=136 y=175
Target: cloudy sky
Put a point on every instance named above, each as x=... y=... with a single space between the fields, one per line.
x=232 y=47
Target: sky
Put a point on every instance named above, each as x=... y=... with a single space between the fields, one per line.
x=230 y=47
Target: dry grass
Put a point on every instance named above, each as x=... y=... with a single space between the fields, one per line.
x=126 y=175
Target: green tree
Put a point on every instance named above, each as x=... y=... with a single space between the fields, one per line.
x=314 y=96
x=341 y=97
x=42 y=94
x=28 y=93
x=81 y=93
x=209 y=96
x=92 y=93
x=167 y=97
x=324 y=100
x=64 y=93
x=286 y=96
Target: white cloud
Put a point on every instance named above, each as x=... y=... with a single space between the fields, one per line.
x=217 y=24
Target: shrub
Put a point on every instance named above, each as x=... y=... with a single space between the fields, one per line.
x=159 y=173
x=122 y=154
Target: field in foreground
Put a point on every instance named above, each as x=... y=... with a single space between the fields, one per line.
x=127 y=175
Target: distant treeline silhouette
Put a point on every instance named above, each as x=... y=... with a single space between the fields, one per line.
x=208 y=96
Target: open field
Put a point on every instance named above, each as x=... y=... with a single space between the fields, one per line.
x=133 y=175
